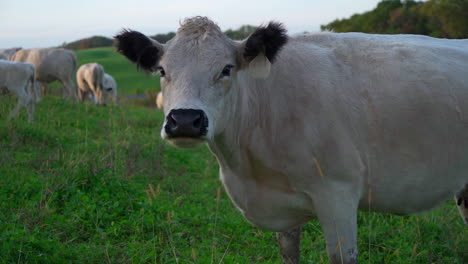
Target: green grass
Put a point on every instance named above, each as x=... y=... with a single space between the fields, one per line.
x=88 y=184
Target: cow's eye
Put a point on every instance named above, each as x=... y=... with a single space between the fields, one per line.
x=161 y=71
x=227 y=70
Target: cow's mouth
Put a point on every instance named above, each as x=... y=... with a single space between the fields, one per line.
x=186 y=142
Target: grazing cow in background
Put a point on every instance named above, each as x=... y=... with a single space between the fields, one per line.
x=317 y=125
x=18 y=78
x=94 y=83
x=51 y=65
x=109 y=89
x=8 y=53
x=159 y=100
x=89 y=78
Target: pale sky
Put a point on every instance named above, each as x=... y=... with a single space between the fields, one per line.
x=45 y=23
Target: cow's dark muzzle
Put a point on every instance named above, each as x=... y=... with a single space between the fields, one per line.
x=186 y=123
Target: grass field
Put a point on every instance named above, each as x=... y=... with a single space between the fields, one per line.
x=88 y=184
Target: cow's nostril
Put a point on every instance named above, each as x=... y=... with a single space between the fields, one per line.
x=197 y=123
x=171 y=122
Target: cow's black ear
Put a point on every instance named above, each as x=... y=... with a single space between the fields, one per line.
x=139 y=49
x=267 y=40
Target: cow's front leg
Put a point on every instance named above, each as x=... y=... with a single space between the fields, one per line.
x=289 y=245
x=99 y=96
x=337 y=213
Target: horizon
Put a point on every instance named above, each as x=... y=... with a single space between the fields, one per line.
x=27 y=23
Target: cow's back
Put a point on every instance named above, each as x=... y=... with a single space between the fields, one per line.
x=51 y=64
x=15 y=72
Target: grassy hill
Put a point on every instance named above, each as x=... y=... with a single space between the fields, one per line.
x=87 y=43
x=88 y=184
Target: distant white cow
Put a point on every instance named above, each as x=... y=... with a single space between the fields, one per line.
x=109 y=89
x=159 y=100
x=317 y=125
x=89 y=78
x=95 y=84
x=18 y=78
x=51 y=65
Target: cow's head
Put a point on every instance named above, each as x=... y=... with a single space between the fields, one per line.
x=199 y=70
x=109 y=89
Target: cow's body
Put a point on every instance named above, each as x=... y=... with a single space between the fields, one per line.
x=380 y=114
x=51 y=64
x=386 y=123
x=340 y=122
x=18 y=78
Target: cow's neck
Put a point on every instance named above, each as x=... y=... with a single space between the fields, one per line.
x=251 y=125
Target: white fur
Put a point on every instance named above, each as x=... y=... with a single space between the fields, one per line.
x=260 y=67
x=18 y=78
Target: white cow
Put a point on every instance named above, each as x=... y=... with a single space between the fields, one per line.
x=51 y=65
x=94 y=83
x=319 y=125
x=89 y=78
x=18 y=78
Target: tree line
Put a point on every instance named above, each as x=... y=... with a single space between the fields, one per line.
x=436 y=18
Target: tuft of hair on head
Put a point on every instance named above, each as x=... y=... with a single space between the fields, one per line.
x=138 y=48
x=197 y=25
x=268 y=40
x=198 y=28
